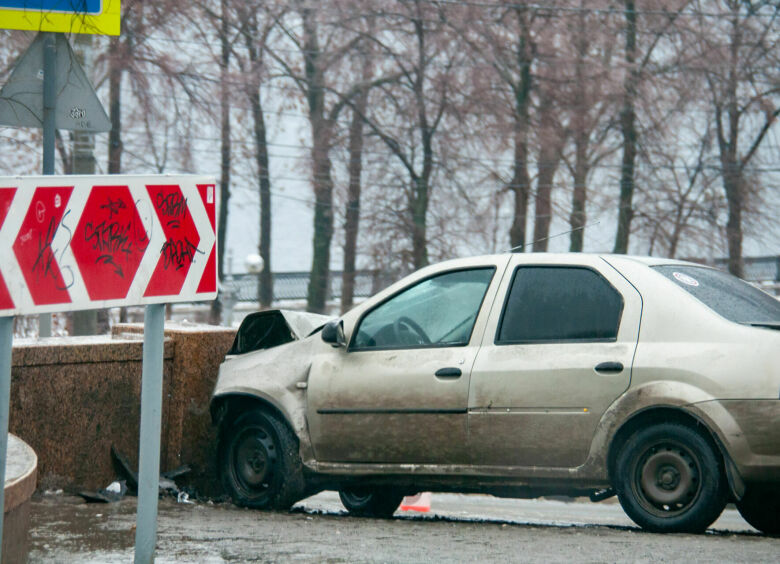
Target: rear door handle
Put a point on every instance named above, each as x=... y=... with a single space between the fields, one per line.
x=609 y=367
x=448 y=372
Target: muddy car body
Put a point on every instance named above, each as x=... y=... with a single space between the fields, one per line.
x=519 y=375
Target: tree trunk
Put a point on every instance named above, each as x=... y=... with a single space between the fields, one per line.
x=543 y=204
x=265 y=288
x=321 y=129
x=732 y=184
x=579 y=198
x=421 y=184
x=578 y=215
x=215 y=314
x=89 y=322
x=352 y=215
x=319 y=282
x=419 y=209
x=628 y=130
x=549 y=158
x=115 y=71
x=115 y=107
x=729 y=156
x=521 y=180
x=520 y=185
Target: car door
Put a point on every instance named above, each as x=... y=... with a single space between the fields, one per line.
x=399 y=392
x=557 y=352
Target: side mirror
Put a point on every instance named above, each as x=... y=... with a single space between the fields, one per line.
x=333 y=333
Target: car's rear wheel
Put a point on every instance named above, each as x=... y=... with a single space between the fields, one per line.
x=669 y=478
x=259 y=464
x=761 y=508
x=371 y=502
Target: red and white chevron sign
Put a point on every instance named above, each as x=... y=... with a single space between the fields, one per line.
x=84 y=242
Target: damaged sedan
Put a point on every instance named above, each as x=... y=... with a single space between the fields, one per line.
x=517 y=375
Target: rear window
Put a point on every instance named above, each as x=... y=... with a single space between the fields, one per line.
x=727 y=295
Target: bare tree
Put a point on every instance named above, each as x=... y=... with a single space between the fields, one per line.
x=589 y=100
x=743 y=75
x=680 y=205
x=314 y=84
x=551 y=139
x=638 y=58
x=255 y=35
x=355 y=167
x=423 y=56
x=324 y=45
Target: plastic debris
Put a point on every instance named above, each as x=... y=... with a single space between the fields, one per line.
x=167 y=485
x=111 y=494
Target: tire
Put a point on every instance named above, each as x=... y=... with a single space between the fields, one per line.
x=380 y=503
x=259 y=463
x=761 y=508
x=669 y=479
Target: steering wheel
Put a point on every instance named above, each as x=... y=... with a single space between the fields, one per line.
x=404 y=325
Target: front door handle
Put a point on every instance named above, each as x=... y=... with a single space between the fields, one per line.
x=610 y=367
x=448 y=372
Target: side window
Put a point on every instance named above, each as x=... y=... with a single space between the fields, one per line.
x=551 y=304
x=436 y=312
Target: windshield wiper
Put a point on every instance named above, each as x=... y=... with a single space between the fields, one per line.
x=767 y=324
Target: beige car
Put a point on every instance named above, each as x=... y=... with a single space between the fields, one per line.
x=517 y=375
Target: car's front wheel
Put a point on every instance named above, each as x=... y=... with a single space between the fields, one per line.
x=367 y=502
x=761 y=508
x=668 y=478
x=259 y=464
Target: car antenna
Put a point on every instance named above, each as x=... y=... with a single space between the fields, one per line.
x=523 y=245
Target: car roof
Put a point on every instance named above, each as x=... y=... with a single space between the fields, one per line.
x=654 y=261
x=645 y=260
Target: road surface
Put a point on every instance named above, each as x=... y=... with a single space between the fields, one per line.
x=458 y=528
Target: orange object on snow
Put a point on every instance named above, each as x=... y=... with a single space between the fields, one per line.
x=420 y=502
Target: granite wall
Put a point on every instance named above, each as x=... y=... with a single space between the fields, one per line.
x=189 y=437
x=73 y=398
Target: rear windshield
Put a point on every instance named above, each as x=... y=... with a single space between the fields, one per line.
x=727 y=295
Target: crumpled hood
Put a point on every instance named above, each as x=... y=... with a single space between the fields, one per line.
x=271 y=328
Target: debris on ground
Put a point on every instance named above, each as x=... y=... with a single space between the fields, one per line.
x=128 y=485
x=113 y=493
x=122 y=466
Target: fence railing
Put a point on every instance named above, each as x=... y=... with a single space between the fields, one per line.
x=757 y=269
x=295 y=285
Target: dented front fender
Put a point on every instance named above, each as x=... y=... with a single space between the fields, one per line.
x=277 y=376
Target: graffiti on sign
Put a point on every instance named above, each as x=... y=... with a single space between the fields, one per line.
x=180 y=248
x=42 y=263
x=111 y=236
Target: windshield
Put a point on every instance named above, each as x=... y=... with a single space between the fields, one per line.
x=438 y=311
x=727 y=295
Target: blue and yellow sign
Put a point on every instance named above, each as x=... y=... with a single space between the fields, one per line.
x=100 y=17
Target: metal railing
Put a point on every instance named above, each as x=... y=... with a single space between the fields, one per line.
x=295 y=285
x=757 y=269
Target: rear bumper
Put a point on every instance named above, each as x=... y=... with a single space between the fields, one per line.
x=750 y=432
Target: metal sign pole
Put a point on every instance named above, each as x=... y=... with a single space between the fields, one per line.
x=149 y=440
x=49 y=109
x=6 y=347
